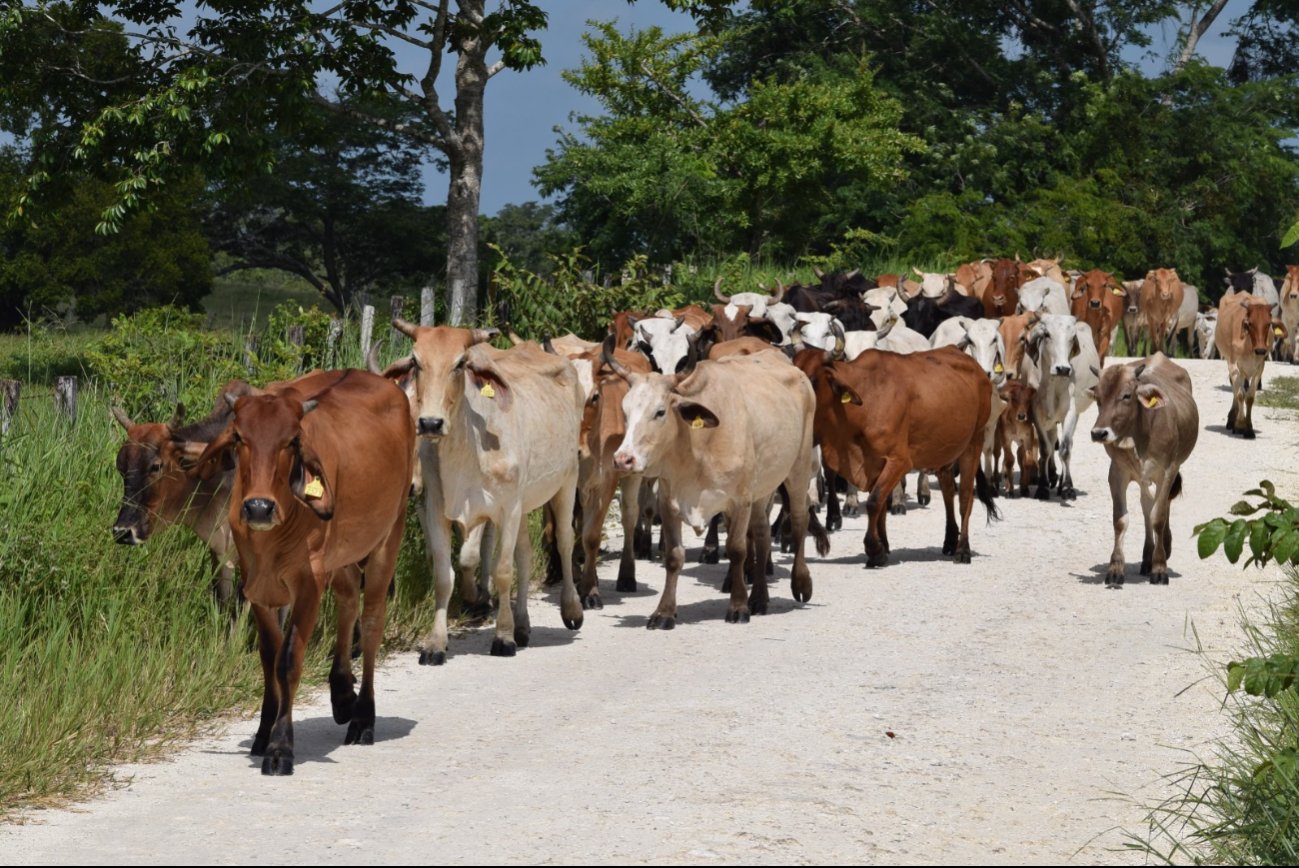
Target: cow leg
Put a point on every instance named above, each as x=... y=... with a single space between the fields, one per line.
x=951 y=534
x=760 y=533
x=597 y=499
x=737 y=530
x=278 y=759
x=969 y=477
x=269 y=640
x=898 y=499
x=710 y=553
x=1066 y=488
x=876 y=533
x=1028 y=472
x=379 y=570
x=347 y=593
x=506 y=641
x=851 y=499
x=1251 y=389
x=923 y=494
x=630 y=508
x=437 y=547
x=664 y=616
x=1147 y=489
x=833 y=516
x=570 y=604
x=1160 y=532
x=1047 y=439
x=1119 y=495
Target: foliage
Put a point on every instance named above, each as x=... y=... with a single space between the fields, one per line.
x=572 y=297
x=528 y=233
x=1273 y=536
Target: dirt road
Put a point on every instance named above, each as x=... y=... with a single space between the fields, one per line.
x=1020 y=695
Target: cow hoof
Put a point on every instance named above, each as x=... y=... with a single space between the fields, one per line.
x=833 y=523
x=1159 y=579
x=661 y=622
x=1043 y=494
x=898 y=509
x=962 y=557
x=878 y=560
x=501 y=648
x=737 y=616
x=1248 y=434
x=277 y=763
x=591 y=601
x=757 y=608
x=523 y=635
x=431 y=658
x=923 y=500
x=570 y=623
x=1145 y=568
x=625 y=585
x=259 y=745
x=359 y=733
x=1068 y=494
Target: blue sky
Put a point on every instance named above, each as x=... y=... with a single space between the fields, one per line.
x=522 y=109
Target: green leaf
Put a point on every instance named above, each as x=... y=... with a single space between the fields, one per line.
x=1234 y=541
x=1235 y=675
x=1244 y=507
x=1255 y=676
x=1291 y=236
x=1285 y=545
x=1210 y=536
x=1259 y=537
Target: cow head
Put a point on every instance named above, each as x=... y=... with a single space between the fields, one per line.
x=1165 y=283
x=1053 y=342
x=155 y=487
x=1122 y=396
x=276 y=463
x=983 y=342
x=1290 y=287
x=658 y=410
x=1259 y=328
x=1091 y=288
x=665 y=341
x=1018 y=396
x=439 y=367
x=1240 y=281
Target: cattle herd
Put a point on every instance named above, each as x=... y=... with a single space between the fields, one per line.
x=692 y=415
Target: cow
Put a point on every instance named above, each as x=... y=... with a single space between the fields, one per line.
x=1253 y=282
x=886 y=304
x=1044 y=295
x=1001 y=296
x=981 y=340
x=975 y=276
x=602 y=429
x=322 y=473
x=1160 y=301
x=1098 y=299
x=1289 y=304
x=731 y=321
x=1206 y=323
x=723 y=436
x=1016 y=437
x=1186 y=316
x=157 y=492
x=1049 y=268
x=924 y=314
x=1062 y=352
x=882 y=414
x=1149 y=423
x=756 y=302
x=933 y=284
x=663 y=340
x=499 y=433
x=1136 y=336
x=1246 y=328
x=1014 y=336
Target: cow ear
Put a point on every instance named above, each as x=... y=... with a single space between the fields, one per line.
x=1279 y=329
x=697 y=415
x=211 y=458
x=487 y=381
x=1151 y=397
x=844 y=394
x=309 y=484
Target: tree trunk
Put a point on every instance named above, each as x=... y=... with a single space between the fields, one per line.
x=466 y=159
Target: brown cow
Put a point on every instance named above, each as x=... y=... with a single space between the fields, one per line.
x=320 y=487
x=1289 y=304
x=1014 y=335
x=1160 y=301
x=975 y=275
x=1017 y=438
x=1098 y=299
x=883 y=414
x=1147 y=419
x=1243 y=337
x=1001 y=296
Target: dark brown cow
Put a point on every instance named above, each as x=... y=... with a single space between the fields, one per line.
x=1098 y=299
x=320 y=487
x=1001 y=296
x=1017 y=437
x=883 y=414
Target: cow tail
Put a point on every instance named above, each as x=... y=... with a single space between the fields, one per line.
x=1177 y=487
x=819 y=534
x=984 y=491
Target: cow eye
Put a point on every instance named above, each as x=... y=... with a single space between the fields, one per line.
x=155 y=467
x=661 y=413
x=237 y=439
x=1127 y=396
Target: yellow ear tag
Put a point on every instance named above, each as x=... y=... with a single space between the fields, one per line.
x=845 y=398
x=998 y=369
x=1117 y=291
x=314 y=488
x=487 y=391
x=1278 y=332
x=1152 y=401
x=698 y=422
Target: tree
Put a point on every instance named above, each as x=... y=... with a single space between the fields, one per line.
x=340 y=210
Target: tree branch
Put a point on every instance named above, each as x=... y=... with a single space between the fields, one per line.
x=1087 y=25
x=428 y=84
x=1195 y=30
x=495 y=68
x=676 y=97
x=391 y=31
x=403 y=129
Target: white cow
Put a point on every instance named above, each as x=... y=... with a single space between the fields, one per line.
x=1206 y=323
x=981 y=339
x=665 y=340
x=1067 y=365
x=1044 y=295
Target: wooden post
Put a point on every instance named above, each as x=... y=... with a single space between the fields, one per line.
x=397 y=307
x=427 y=297
x=297 y=335
x=332 y=342
x=367 y=327
x=9 y=390
x=250 y=353
x=65 y=397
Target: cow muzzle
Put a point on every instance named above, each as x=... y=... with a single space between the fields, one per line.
x=625 y=462
x=431 y=426
x=1062 y=370
x=258 y=513
x=127 y=536
x=1094 y=304
x=1260 y=351
x=1102 y=435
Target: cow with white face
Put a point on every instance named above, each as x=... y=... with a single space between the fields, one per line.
x=982 y=341
x=1206 y=324
x=664 y=341
x=722 y=436
x=1044 y=295
x=1066 y=362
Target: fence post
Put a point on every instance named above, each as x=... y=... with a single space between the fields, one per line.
x=332 y=341
x=397 y=307
x=367 y=326
x=9 y=390
x=65 y=397
x=427 y=297
x=250 y=353
x=297 y=335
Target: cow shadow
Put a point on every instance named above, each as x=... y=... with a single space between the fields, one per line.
x=315 y=738
x=479 y=641
x=1130 y=575
x=1223 y=429
x=713 y=611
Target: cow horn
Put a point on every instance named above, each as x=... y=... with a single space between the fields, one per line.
x=717 y=291
x=408 y=329
x=606 y=356
x=850 y=275
x=840 y=340
x=372 y=358
x=1096 y=372
x=779 y=292
x=231 y=399
x=820 y=275
x=309 y=405
x=679 y=320
x=515 y=340
x=479 y=336
x=1136 y=375
x=917 y=271
x=548 y=346
x=796 y=336
x=692 y=359
x=122 y=419
x=178 y=418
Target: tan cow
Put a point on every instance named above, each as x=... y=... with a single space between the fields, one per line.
x=1289 y=303
x=1017 y=438
x=1098 y=299
x=975 y=275
x=1161 y=301
x=1148 y=421
x=1014 y=337
x=1243 y=337
x=498 y=430
x=722 y=436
